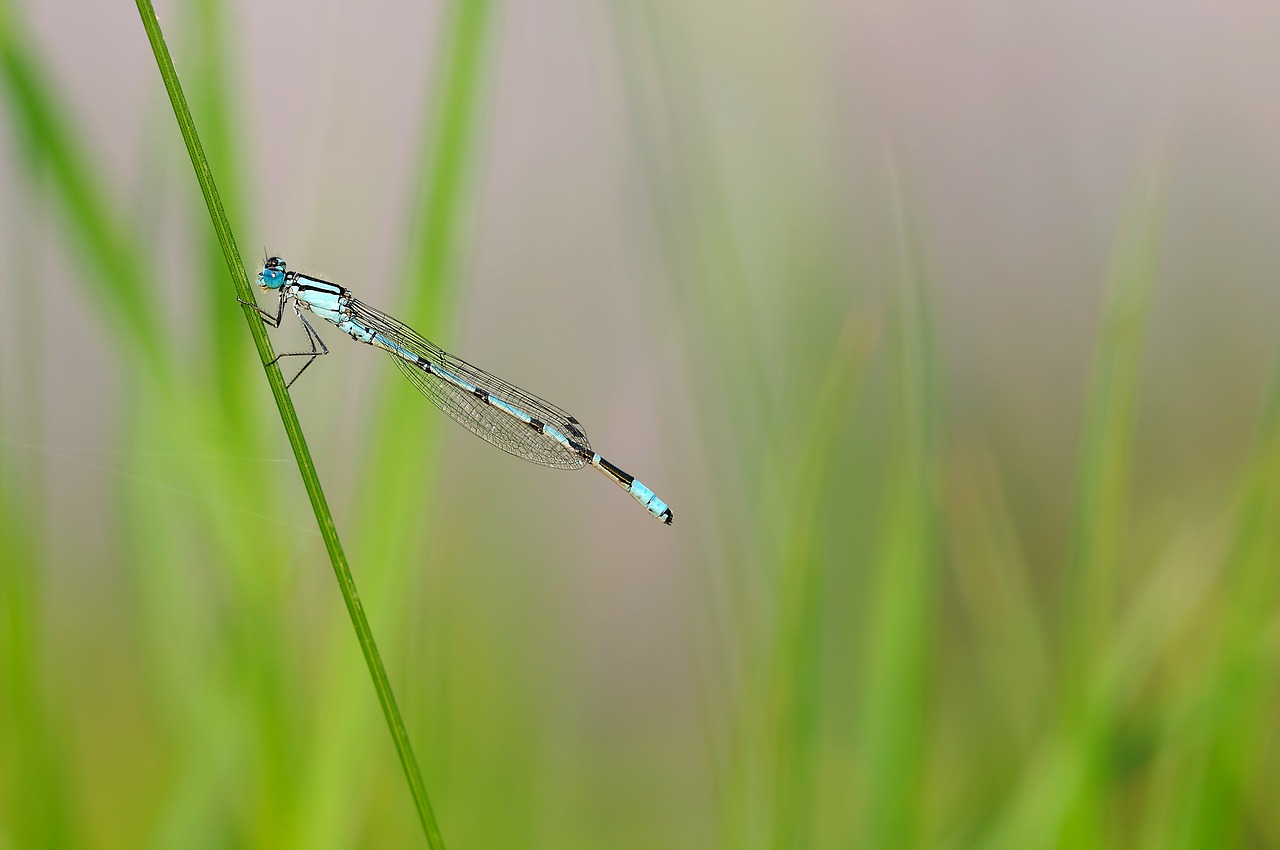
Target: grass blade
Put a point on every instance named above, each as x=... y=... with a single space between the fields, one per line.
x=901 y=629
x=1230 y=755
x=293 y=428
x=107 y=247
x=1102 y=509
x=1109 y=433
x=444 y=194
x=798 y=664
x=398 y=450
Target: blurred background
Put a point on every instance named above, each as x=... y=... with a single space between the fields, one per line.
x=945 y=329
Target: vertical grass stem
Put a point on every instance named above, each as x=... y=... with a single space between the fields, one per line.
x=293 y=429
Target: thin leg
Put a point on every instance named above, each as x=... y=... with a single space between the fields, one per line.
x=267 y=318
x=314 y=352
x=318 y=347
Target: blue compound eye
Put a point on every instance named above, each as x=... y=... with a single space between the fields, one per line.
x=272 y=274
x=271 y=278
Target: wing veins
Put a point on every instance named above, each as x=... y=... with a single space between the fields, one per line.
x=485 y=421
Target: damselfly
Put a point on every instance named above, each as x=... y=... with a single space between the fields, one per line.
x=505 y=415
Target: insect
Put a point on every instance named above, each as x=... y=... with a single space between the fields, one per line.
x=515 y=421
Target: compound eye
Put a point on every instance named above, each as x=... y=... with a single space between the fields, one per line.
x=272 y=278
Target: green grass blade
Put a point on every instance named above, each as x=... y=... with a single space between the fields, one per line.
x=894 y=717
x=211 y=84
x=293 y=429
x=797 y=677
x=399 y=449
x=1065 y=798
x=37 y=779
x=1109 y=431
x=36 y=772
x=435 y=242
x=1229 y=754
x=453 y=140
x=1102 y=508
x=116 y=275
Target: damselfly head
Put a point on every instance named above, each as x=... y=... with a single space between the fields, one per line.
x=272 y=274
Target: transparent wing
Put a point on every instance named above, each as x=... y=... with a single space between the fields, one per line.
x=487 y=422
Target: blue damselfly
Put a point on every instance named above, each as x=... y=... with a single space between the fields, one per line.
x=502 y=414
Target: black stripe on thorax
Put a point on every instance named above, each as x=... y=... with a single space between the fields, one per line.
x=312 y=284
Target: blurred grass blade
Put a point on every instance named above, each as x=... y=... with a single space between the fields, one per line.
x=900 y=632
x=291 y=425
x=798 y=657
x=454 y=131
x=213 y=58
x=436 y=242
x=1102 y=504
x=115 y=273
x=1106 y=457
x=36 y=776
x=398 y=449
x=1064 y=797
x=1234 y=751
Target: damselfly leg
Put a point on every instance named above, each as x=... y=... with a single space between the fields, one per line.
x=318 y=348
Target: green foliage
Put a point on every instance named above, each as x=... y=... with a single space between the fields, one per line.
x=884 y=650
